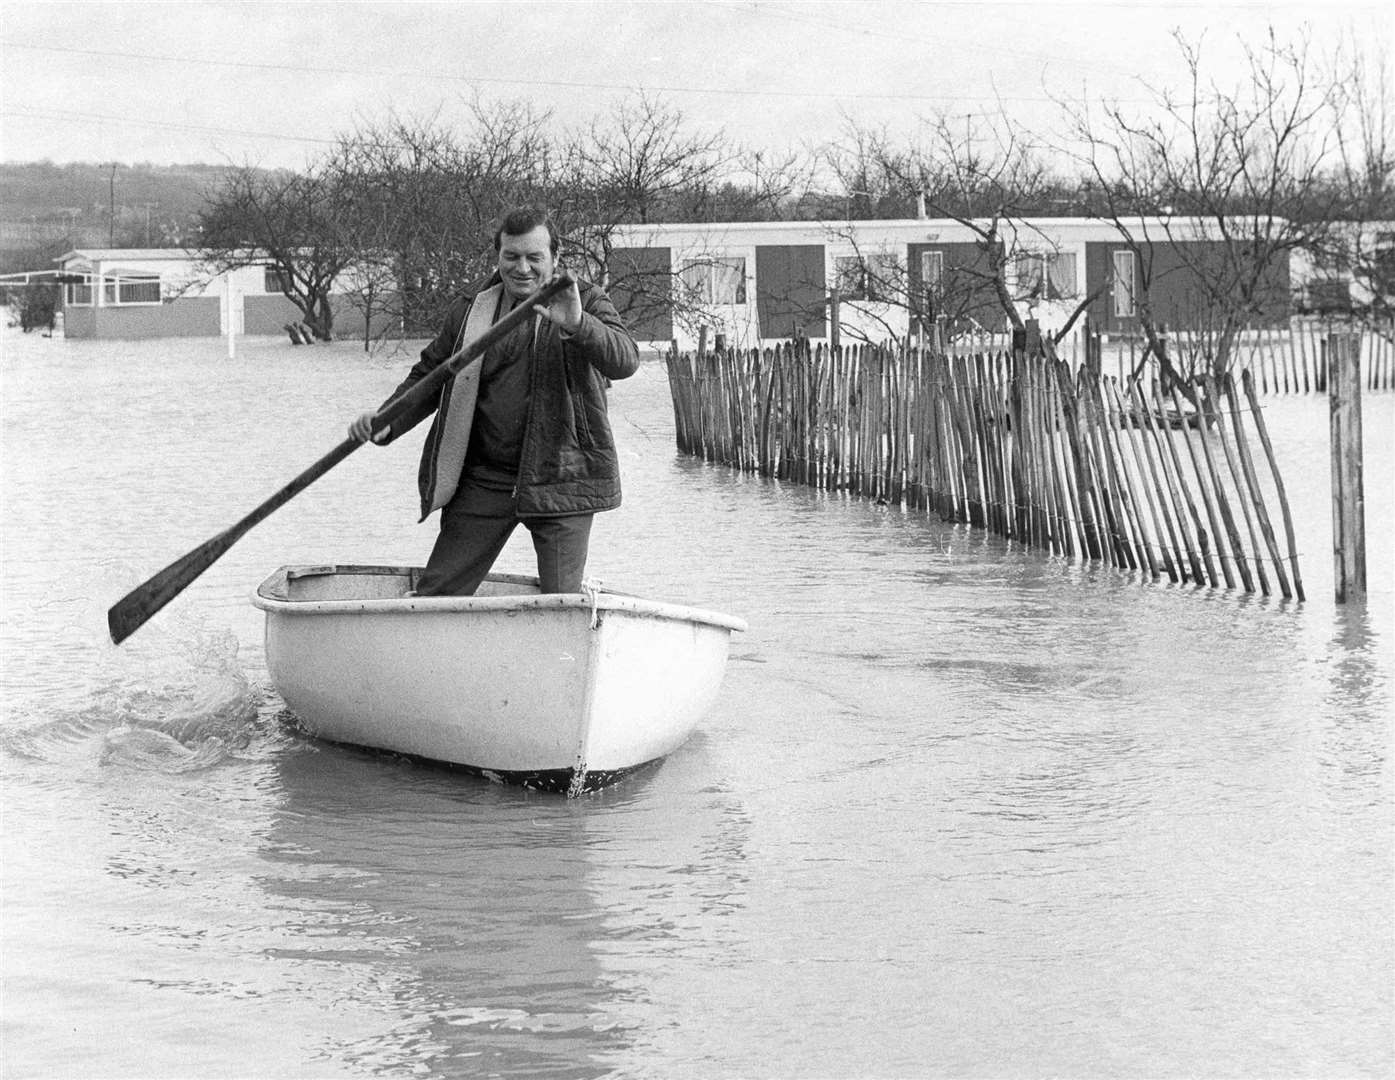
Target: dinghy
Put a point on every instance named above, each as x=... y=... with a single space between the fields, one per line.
x=562 y=692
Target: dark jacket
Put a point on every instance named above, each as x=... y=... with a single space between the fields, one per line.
x=568 y=463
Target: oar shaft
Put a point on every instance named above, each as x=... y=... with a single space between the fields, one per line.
x=432 y=381
x=134 y=609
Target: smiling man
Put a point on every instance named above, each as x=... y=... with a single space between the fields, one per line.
x=523 y=436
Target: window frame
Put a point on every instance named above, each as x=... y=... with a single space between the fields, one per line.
x=1056 y=262
x=268 y=272
x=1127 y=293
x=114 y=289
x=936 y=281
x=700 y=279
x=1036 y=267
x=872 y=272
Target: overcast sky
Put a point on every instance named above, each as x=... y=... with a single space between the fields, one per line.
x=274 y=83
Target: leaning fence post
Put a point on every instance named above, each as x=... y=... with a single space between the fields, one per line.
x=1348 y=497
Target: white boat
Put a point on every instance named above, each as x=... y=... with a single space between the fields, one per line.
x=563 y=691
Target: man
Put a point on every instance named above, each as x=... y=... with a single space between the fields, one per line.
x=522 y=436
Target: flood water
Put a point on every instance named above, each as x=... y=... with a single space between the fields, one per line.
x=961 y=809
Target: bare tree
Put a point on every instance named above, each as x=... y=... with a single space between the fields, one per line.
x=290 y=222
x=1220 y=184
x=424 y=200
x=1362 y=248
x=641 y=163
x=987 y=177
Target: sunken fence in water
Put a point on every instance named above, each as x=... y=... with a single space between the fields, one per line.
x=1068 y=461
x=1289 y=359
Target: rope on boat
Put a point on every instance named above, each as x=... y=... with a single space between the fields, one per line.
x=591 y=589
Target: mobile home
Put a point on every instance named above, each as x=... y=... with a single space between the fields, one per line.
x=164 y=292
x=754 y=282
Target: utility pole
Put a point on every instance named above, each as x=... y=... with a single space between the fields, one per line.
x=147 y=220
x=111 y=216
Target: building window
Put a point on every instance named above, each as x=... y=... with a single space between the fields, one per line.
x=716 y=280
x=78 y=295
x=1046 y=277
x=1123 y=284
x=1383 y=257
x=273 y=281
x=138 y=290
x=932 y=271
x=874 y=279
x=131 y=289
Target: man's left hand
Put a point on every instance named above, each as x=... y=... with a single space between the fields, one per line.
x=564 y=309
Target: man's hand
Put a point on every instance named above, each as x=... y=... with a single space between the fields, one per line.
x=362 y=428
x=564 y=309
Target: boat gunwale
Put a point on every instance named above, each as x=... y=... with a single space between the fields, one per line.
x=603 y=600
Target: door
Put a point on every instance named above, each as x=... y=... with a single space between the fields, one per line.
x=641 y=287
x=791 y=290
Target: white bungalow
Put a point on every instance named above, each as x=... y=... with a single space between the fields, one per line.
x=754 y=282
x=168 y=292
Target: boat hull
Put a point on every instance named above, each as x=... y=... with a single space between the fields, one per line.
x=562 y=691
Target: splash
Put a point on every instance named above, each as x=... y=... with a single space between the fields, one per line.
x=148 y=748
x=178 y=702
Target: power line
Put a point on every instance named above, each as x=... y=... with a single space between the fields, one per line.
x=850 y=28
x=106 y=118
x=419 y=76
x=25 y=113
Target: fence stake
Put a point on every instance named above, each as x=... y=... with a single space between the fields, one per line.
x=1208 y=398
x=1181 y=537
x=1216 y=539
x=1348 y=496
x=1263 y=431
x=1242 y=447
x=1130 y=421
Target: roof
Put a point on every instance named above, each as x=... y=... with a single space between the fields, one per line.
x=128 y=254
x=23 y=277
x=903 y=224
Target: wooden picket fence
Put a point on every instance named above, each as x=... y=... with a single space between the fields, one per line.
x=1019 y=443
x=1290 y=359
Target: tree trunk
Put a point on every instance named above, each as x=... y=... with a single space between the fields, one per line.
x=321 y=317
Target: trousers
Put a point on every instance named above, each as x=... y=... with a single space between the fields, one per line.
x=475 y=526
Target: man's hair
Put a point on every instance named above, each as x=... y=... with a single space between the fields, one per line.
x=525 y=219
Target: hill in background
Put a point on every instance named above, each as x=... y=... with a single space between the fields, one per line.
x=47 y=209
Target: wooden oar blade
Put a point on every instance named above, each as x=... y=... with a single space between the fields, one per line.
x=134 y=609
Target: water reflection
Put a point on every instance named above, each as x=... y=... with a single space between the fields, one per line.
x=482 y=919
x=1356 y=734
x=464 y=906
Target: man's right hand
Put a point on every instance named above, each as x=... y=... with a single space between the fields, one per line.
x=362 y=428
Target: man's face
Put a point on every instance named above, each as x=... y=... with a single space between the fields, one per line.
x=525 y=262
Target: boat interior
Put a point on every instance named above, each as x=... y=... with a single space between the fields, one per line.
x=317 y=583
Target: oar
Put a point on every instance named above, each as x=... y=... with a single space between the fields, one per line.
x=132 y=611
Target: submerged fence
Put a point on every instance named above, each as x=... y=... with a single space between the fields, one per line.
x=1079 y=464
x=1289 y=359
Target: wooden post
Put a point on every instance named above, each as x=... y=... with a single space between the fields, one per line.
x=229 y=299
x=702 y=343
x=1348 y=497
x=835 y=335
